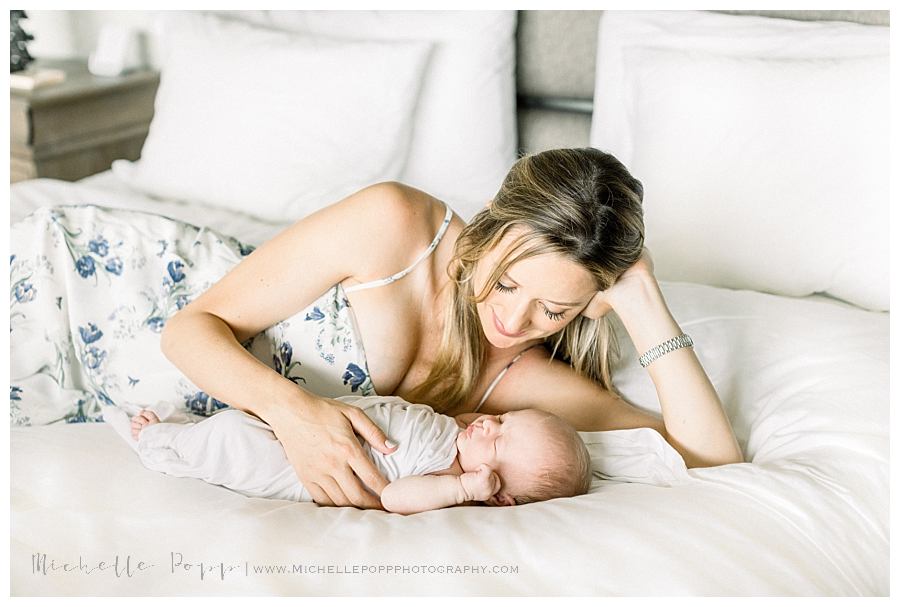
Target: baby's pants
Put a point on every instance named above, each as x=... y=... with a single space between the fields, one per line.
x=231 y=448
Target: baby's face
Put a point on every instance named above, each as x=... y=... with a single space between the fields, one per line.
x=508 y=443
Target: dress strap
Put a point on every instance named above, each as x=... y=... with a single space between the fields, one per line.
x=500 y=376
x=434 y=243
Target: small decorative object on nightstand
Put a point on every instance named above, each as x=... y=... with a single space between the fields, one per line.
x=77 y=127
x=19 y=57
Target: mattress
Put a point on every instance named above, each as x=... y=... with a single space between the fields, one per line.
x=805 y=383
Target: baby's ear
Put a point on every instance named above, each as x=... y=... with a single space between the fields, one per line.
x=500 y=499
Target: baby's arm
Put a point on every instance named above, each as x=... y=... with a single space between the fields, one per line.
x=413 y=494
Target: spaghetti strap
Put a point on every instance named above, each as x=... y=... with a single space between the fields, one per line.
x=500 y=376
x=448 y=215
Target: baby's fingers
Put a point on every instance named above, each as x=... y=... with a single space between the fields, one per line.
x=484 y=470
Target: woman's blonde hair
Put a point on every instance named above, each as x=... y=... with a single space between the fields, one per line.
x=582 y=204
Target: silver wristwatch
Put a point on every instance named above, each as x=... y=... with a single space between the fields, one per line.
x=682 y=341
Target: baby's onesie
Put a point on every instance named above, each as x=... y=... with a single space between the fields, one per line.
x=239 y=451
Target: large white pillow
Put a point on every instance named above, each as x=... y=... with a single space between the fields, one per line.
x=762 y=145
x=275 y=124
x=464 y=132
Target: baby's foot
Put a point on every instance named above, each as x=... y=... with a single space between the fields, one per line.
x=145 y=418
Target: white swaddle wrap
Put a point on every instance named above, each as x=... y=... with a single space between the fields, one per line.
x=239 y=451
x=220 y=453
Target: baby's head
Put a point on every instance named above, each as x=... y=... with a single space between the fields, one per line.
x=537 y=455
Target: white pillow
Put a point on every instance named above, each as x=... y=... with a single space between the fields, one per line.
x=464 y=134
x=762 y=145
x=274 y=124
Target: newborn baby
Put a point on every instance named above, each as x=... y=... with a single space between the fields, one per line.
x=500 y=460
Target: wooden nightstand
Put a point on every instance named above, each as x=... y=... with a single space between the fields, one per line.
x=78 y=127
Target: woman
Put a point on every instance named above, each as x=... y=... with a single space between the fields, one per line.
x=559 y=247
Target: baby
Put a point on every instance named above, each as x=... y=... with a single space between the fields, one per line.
x=500 y=460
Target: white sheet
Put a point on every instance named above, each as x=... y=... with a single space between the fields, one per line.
x=105 y=189
x=804 y=381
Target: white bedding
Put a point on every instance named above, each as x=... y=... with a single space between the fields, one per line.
x=105 y=189
x=804 y=381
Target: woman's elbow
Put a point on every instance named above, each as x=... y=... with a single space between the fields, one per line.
x=721 y=456
x=710 y=462
x=170 y=335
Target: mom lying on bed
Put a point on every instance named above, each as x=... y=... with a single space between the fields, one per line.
x=559 y=247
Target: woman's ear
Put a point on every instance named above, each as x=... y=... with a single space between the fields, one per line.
x=597 y=307
x=500 y=499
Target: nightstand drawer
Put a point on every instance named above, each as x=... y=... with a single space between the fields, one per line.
x=79 y=158
x=46 y=124
x=78 y=127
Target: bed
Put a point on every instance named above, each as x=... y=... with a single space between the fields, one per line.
x=784 y=291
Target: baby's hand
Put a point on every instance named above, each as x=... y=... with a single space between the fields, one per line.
x=145 y=418
x=481 y=484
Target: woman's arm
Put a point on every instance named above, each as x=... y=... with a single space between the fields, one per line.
x=553 y=386
x=695 y=422
x=314 y=431
x=272 y=283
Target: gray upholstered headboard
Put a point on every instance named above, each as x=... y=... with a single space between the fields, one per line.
x=555 y=70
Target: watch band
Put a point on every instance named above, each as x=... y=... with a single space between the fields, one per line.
x=682 y=341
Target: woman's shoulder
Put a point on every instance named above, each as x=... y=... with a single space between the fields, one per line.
x=543 y=380
x=397 y=209
x=537 y=381
x=396 y=205
x=401 y=221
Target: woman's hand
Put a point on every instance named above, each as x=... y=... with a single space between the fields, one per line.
x=632 y=284
x=319 y=441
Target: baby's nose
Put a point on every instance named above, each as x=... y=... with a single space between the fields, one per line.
x=490 y=424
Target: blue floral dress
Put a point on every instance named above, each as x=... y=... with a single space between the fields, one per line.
x=92 y=288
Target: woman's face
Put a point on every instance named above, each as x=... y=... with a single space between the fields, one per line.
x=536 y=297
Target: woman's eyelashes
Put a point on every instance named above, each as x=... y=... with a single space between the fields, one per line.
x=555 y=316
